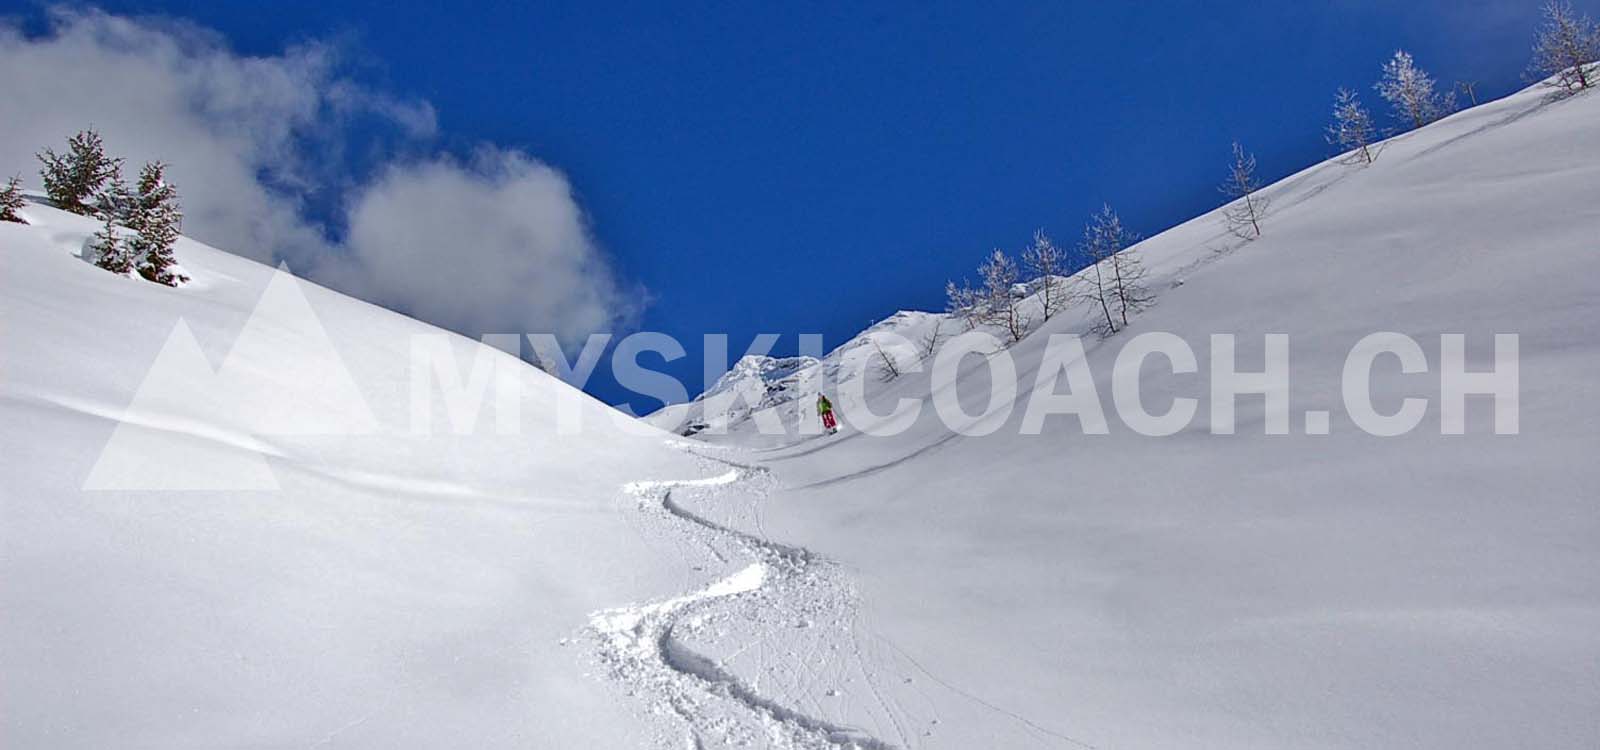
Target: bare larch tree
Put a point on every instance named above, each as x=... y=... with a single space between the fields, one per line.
x=928 y=343
x=1114 y=283
x=1409 y=91
x=1565 y=46
x=999 y=306
x=961 y=302
x=1352 y=129
x=1243 y=212
x=888 y=368
x=1046 y=263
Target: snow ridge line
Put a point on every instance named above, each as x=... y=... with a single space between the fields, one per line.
x=638 y=644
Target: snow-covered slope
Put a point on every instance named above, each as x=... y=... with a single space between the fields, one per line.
x=756 y=382
x=1250 y=590
x=769 y=401
x=358 y=584
x=365 y=580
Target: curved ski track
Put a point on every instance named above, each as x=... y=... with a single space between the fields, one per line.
x=654 y=650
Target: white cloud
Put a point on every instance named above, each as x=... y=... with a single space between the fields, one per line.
x=495 y=244
x=502 y=228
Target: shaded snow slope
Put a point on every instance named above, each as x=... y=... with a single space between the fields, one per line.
x=360 y=587
x=1255 y=591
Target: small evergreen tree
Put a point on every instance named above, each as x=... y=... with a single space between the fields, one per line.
x=11 y=200
x=72 y=178
x=1046 y=263
x=115 y=202
x=157 y=219
x=1243 y=214
x=111 y=251
x=1352 y=128
x=1565 y=46
x=1409 y=91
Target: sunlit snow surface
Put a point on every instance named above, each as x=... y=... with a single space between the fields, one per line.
x=619 y=588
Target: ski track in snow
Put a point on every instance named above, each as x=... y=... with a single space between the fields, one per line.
x=655 y=650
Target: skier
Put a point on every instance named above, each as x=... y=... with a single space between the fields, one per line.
x=825 y=410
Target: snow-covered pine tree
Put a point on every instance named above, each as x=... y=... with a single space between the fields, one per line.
x=115 y=202
x=1352 y=128
x=1114 y=284
x=71 y=179
x=1565 y=46
x=111 y=251
x=1243 y=213
x=1047 y=263
x=157 y=220
x=1409 y=91
x=999 y=306
x=11 y=200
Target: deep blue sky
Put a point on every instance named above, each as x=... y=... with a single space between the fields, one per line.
x=759 y=168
